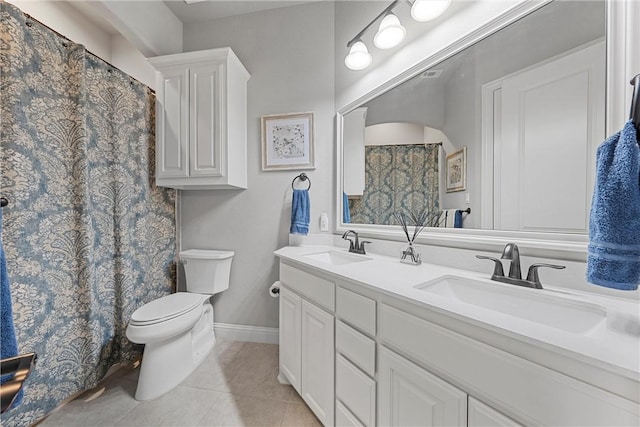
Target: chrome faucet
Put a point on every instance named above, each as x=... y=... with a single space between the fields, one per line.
x=355 y=245
x=512 y=253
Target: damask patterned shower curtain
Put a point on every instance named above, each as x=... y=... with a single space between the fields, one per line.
x=398 y=178
x=88 y=237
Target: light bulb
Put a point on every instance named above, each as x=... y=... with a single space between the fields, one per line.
x=358 y=58
x=426 y=10
x=390 y=33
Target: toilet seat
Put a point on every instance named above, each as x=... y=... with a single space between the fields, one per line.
x=167 y=308
x=165 y=318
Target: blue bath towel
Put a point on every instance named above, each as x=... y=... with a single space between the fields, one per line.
x=8 y=342
x=300 y=211
x=346 y=214
x=614 y=227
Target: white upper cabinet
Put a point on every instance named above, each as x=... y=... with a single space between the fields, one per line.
x=201 y=120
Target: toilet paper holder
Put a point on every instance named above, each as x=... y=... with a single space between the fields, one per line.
x=274 y=290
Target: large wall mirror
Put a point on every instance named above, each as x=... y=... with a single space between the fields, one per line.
x=499 y=136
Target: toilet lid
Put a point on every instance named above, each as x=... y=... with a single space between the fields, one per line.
x=167 y=307
x=209 y=254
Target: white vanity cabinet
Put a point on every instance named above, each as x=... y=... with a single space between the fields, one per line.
x=307 y=339
x=396 y=362
x=201 y=120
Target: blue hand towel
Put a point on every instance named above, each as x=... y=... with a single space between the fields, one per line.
x=457 y=220
x=8 y=342
x=346 y=214
x=614 y=227
x=300 y=210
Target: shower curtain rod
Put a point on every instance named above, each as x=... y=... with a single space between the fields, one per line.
x=87 y=50
x=404 y=145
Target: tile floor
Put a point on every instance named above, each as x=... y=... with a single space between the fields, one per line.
x=235 y=386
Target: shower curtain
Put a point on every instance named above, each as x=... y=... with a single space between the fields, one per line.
x=398 y=178
x=88 y=237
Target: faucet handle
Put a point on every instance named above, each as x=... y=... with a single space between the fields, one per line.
x=361 y=248
x=532 y=275
x=498 y=271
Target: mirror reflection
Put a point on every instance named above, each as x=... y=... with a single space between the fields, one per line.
x=505 y=130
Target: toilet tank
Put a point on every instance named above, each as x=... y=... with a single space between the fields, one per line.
x=206 y=271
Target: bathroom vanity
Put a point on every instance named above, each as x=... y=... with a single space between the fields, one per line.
x=366 y=340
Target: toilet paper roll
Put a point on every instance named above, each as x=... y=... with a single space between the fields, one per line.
x=274 y=290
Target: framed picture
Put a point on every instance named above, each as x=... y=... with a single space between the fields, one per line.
x=457 y=171
x=287 y=141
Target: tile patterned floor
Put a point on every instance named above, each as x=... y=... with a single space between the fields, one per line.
x=235 y=386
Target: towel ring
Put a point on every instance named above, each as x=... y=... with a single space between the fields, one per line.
x=302 y=177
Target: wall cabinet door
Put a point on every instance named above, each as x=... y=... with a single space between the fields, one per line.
x=408 y=395
x=172 y=114
x=290 y=337
x=206 y=130
x=318 y=361
x=481 y=415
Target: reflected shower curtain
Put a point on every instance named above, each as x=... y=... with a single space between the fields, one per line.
x=398 y=178
x=88 y=237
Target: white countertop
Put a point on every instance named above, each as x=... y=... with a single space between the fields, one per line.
x=613 y=345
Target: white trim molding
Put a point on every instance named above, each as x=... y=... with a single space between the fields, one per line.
x=246 y=333
x=623 y=59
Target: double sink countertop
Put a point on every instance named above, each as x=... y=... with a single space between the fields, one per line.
x=598 y=331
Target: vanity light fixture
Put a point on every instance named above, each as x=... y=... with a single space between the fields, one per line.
x=426 y=10
x=390 y=32
x=359 y=57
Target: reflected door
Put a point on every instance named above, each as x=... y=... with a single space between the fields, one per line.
x=548 y=121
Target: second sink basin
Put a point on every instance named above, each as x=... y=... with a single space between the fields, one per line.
x=337 y=257
x=530 y=304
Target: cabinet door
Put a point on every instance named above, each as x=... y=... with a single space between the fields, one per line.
x=481 y=415
x=205 y=125
x=318 y=361
x=172 y=115
x=290 y=337
x=410 y=396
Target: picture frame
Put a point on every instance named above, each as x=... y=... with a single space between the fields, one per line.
x=287 y=141
x=456 y=175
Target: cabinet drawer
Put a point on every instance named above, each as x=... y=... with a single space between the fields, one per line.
x=356 y=390
x=356 y=347
x=315 y=289
x=344 y=417
x=357 y=310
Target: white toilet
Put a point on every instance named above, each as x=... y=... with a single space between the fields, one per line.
x=177 y=329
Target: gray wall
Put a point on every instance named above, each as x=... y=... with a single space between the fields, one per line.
x=290 y=55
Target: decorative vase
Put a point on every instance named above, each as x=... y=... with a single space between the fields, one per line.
x=411 y=255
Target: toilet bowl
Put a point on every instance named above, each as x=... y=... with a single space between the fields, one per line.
x=177 y=329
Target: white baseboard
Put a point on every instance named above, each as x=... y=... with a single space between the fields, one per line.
x=233 y=332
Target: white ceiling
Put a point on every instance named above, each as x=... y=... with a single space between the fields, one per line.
x=214 y=9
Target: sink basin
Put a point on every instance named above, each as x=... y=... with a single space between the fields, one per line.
x=535 y=305
x=337 y=257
